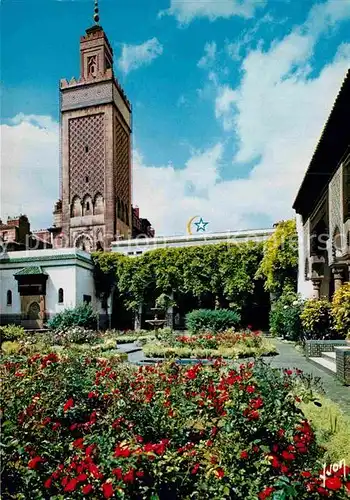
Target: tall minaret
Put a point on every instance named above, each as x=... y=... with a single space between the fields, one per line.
x=95 y=148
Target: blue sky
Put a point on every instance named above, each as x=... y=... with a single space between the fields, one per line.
x=229 y=99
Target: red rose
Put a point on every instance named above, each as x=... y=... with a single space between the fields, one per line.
x=81 y=477
x=68 y=404
x=220 y=473
x=140 y=473
x=118 y=473
x=107 y=490
x=306 y=473
x=253 y=415
x=288 y=456
x=333 y=483
x=266 y=493
x=87 y=489
x=250 y=389
x=244 y=454
x=71 y=485
x=129 y=476
x=34 y=462
x=79 y=443
x=48 y=483
x=195 y=469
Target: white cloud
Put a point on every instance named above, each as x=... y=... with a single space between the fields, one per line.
x=209 y=55
x=186 y=10
x=29 y=168
x=278 y=111
x=135 y=56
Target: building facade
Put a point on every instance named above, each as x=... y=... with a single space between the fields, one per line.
x=96 y=126
x=37 y=284
x=15 y=235
x=139 y=245
x=323 y=206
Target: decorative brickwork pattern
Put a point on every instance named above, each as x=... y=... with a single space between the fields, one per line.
x=343 y=364
x=90 y=94
x=121 y=163
x=315 y=348
x=335 y=206
x=86 y=155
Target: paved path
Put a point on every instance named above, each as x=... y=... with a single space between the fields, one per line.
x=289 y=357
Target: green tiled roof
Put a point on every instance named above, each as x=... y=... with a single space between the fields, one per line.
x=30 y=270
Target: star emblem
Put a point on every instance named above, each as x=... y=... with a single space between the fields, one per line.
x=201 y=225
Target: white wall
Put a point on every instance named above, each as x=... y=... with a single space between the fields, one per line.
x=8 y=282
x=60 y=277
x=84 y=285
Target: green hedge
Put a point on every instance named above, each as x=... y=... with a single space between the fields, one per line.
x=207 y=320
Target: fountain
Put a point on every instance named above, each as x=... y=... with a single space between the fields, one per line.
x=155 y=322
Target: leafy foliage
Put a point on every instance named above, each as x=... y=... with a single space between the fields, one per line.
x=285 y=315
x=279 y=265
x=223 y=271
x=82 y=315
x=207 y=320
x=341 y=310
x=11 y=333
x=85 y=427
x=316 y=319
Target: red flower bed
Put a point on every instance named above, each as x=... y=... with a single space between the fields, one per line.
x=90 y=428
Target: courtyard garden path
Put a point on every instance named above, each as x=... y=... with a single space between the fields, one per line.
x=289 y=357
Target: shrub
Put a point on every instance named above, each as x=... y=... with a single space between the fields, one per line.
x=207 y=320
x=79 y=425
x=341 y=310
x=11 y=333
x=316 y=319
x=82 y=315
x=285 y=315
x=9 y=347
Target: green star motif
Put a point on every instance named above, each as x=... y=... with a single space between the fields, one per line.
x=201 y=225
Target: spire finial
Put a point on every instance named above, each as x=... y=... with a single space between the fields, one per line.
x=96 y=16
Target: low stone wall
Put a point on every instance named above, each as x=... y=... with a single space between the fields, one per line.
x=343 y=364
x=315 y=348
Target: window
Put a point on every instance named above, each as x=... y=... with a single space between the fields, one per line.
x=60 y=296
x=87 y=299
x=87 y=206
x=9 y=298
x=86 y=148
x=86 y=179
x=139 y=252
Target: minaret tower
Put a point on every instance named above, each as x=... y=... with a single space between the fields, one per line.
x=95 y=149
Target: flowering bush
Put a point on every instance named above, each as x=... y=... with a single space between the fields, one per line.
x=11 y=333
x=316 y=319
x=92 y=428
x=207 y=320
x=82 y=315
x=285 y=315
x=341 y=310
x=227 y=344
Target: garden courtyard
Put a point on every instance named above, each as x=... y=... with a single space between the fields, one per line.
x=220 y=409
